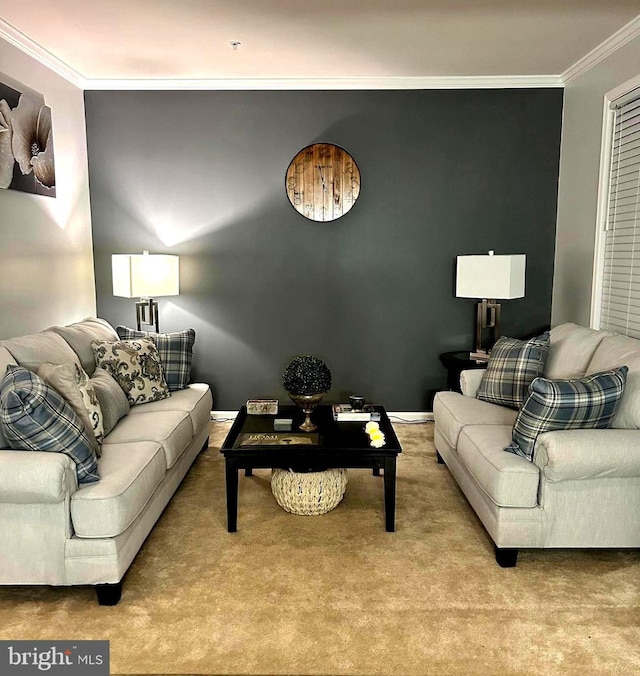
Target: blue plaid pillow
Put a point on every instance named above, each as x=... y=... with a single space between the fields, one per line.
x=584 y=403
x=175 y=351
x=513 y=364
x=34 y=417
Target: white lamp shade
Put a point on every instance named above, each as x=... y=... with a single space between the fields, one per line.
x=491 y=277
x=145 y=275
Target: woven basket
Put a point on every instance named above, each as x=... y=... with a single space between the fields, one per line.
x=308 y=493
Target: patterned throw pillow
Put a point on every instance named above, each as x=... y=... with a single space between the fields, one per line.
x=585 y=403
x=513 y=364
x=136 y=366
x=74 y=385
x=34 y=417
x=175 y=350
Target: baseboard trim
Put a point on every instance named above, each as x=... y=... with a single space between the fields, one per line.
x=410 y=416
x=218 y=415
x=396 y=416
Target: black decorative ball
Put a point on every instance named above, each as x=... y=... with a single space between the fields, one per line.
x=306 y=375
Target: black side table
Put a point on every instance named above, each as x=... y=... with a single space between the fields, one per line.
x=455 y=363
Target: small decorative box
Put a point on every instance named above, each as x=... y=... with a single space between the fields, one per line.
x=282 y=424
x=262 y=406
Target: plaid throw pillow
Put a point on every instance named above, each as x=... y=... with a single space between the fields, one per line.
x=584 y=403
x=175 y=350
x=513 y=364
x=35 y=417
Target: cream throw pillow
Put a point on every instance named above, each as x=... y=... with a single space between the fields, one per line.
x=72 y=383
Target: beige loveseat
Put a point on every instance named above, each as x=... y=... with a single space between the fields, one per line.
x=56 y=533
x=582 y=488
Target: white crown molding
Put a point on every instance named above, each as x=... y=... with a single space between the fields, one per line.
x=462 y=82
x=18 y=39
x=602 y=51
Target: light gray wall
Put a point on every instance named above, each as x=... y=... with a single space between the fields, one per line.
x=201 y=174
x=578 y=186
x=46 y=258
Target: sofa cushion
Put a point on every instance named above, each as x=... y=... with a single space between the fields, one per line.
x=30 y=351
x=616 y=351
x=130 y=474
x=453 y=411
x=510 y=481
x=195 y=400
x=80 y=335
x=572 y=347
x=171 y=429
x=586 y=403
x=74 y=385
x=136 y=366
x=113 y=401
x=513 y=364
x=35 y=417
x=175 y=350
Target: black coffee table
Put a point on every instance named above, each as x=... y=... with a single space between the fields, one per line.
x=339 y=445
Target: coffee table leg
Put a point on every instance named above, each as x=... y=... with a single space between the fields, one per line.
x=232 y=495
x=390 y=492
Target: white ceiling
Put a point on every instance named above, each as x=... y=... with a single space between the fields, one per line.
x=385 y=39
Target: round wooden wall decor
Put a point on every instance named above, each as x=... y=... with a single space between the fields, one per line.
x=322 y=182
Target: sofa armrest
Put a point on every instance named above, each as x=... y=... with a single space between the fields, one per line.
x=33 y=477
x=588 y=454
x=470 y=381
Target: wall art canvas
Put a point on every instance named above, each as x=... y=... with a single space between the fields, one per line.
x=26 y=142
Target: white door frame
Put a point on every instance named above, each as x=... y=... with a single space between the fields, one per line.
x=602 y=210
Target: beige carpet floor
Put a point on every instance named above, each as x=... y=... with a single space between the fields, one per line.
x=336 y=594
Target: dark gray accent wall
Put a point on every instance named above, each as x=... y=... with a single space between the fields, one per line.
x=444 y=173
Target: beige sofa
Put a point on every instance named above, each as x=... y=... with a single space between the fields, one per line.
x=56 y=533
x=582 y=488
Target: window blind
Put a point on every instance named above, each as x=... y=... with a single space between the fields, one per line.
x=620 y=306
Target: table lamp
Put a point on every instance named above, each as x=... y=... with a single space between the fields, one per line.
x=145 y=276
x=489 y=278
